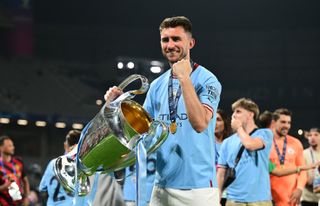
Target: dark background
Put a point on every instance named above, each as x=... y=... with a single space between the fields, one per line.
x=266 y=50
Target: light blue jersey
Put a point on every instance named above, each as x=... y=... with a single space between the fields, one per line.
x=252 y=183
x=217 y=151
x=129 y=187
x=186 y=159
x=49 y=184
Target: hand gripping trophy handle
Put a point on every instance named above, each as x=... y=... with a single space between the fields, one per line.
x=107 y=143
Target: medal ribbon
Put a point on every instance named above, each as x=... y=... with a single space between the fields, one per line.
x=173 y=101
x=283 y=155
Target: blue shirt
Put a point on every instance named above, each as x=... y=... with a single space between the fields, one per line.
x=56 y=194
x=186 y=159
x=129 y=187
x=252 y=183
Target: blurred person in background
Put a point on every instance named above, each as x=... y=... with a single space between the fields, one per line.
x=251 y=185
x=34 y=176
x=51 y=191
x=221 y=132
x=311 y=155
x=266 y=121
x=12 y=170
x=286 y=152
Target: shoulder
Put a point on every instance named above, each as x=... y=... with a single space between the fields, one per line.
x=205 y=74
x=265 y=131
x=294 y=140
x=17 y=159
x=306 y=152
x=230 y=139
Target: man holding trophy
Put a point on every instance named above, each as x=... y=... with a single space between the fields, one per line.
x=186 y=98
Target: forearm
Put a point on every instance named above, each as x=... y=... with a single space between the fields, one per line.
x=3 y=187
x=197 y=113
x=249 y=142
x=220 y=179
x=285 y=171
x=302 y=180
x=26 y=186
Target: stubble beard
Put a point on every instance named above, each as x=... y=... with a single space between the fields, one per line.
x=182 y=55
x=282 y=133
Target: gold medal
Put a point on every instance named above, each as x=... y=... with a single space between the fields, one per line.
x=282 y=166
x=173 y=127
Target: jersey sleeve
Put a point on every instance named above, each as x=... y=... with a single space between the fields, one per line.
x=266 y=136
x=43 y=186
x=209 y=94
x=223 y=154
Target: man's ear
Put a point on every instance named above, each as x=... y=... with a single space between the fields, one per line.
x=192 y=43
x=251 y=115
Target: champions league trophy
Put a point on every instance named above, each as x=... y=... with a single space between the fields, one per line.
x=109 y=140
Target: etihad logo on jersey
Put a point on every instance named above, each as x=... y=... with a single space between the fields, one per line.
x=166 y=117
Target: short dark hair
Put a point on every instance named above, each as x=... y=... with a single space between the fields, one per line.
x=265 y=119
x=281 y=111
x=315 y=129
x=176 y=21
x=3 y=138
x=73 y=137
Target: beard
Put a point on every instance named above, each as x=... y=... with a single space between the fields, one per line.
x=282 y=132
x=180 y=55
x=8 y=153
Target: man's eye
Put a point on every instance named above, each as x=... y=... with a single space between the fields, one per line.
x=175 y=38
x=165 y=39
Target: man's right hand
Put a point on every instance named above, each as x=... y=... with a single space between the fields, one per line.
x=112 y=94
x=5 y=185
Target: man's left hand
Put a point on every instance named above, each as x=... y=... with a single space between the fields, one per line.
x=182 y=69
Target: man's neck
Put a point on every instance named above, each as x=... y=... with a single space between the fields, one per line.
x=6 y=157
x=315 y=147
x=277 y=136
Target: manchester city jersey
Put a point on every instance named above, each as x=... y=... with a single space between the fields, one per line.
x=56 y=194
x=253 y=164
x=186 y=159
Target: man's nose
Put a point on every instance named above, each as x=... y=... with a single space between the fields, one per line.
x=171 y=44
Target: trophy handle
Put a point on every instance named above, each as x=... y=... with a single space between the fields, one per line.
x=129 y=94
x=153 y=141
x=144 y=84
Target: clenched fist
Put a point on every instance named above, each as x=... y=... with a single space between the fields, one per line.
x=182 y=69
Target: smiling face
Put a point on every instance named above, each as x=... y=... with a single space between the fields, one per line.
x=176 y=44
x=282 y=125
